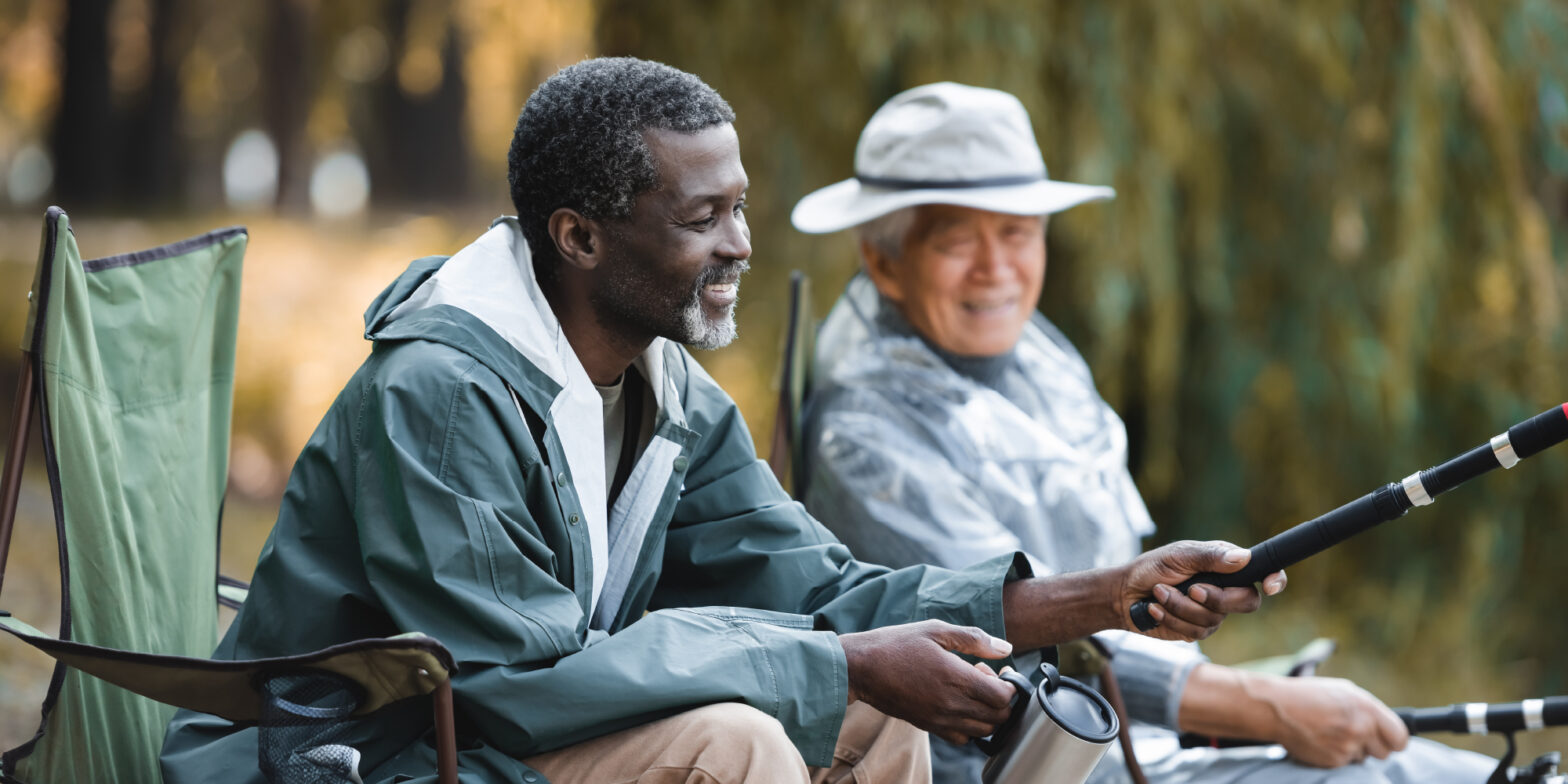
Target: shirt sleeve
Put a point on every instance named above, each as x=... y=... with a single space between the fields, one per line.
x=1152 y=674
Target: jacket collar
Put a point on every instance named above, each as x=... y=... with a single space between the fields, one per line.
x=492 y=280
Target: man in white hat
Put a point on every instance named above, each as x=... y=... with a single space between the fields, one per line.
x=950 y=421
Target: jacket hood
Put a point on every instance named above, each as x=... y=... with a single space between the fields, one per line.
x=492 y=280
x=486 y=302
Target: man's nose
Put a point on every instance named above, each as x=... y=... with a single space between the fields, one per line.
x=737 y=240
x=990 y=260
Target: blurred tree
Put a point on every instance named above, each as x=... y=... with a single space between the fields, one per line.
x=151 y=159
x=113 y=146
x=83 y=140
x=287 y=91
x=423 y=96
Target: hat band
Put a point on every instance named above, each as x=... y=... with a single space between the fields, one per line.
x=893 y=183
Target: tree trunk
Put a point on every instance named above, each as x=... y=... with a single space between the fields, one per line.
x=286 y=98
x=425 y=159
x=152 y=161
x=83 y=137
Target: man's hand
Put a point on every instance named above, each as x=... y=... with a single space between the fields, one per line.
x=1049 y=610
x=1329 y=722
x=1195 y=615
x=1322 y=722
x=908 y=673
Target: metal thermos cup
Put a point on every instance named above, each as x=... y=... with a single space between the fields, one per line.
x=1056 y=734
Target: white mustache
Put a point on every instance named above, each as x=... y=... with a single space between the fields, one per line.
x=719 y=276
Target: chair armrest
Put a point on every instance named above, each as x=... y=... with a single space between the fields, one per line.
x=389 y=669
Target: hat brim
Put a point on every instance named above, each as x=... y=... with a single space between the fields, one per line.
x=849 y=203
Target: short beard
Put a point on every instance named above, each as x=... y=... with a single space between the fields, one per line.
x=701 y=332
x=628 y=302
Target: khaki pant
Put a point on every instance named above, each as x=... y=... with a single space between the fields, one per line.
x=730 y=743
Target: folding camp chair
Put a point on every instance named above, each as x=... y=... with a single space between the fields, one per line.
x=785 y=454
x=129 y=360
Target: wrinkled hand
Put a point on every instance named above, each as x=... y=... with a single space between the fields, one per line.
x=907 y=672
x=1195 y=615
x=1329 y=722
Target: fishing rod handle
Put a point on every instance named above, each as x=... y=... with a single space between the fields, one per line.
x=1388 y=502
x=1479 y=718
x=1295 y=544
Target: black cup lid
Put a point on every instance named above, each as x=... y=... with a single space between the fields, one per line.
x=1079 y=710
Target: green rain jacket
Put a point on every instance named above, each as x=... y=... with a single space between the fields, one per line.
x=450 y=490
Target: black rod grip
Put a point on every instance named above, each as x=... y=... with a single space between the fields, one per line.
x=1496 y=717
x=1318 y=534
x=1299 y=542
x=1440 y=479
x=1540 y=431
x=1419 y=720
x=1379 y=506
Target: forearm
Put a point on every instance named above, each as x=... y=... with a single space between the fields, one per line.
x=1042 y=611
x=1225 y=702
x=1322 y=722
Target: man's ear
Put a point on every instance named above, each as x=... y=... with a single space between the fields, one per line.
x=576 y=238
x=882 y=270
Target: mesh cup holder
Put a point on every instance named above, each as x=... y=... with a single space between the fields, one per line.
x=304 y=717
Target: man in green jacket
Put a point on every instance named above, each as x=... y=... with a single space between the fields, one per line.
x=530 y=468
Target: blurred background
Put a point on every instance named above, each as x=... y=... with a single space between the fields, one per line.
x=1337 y=254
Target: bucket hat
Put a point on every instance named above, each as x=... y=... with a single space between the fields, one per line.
x=944 y=143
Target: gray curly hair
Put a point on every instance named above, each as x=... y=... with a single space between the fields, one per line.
x=579 y=142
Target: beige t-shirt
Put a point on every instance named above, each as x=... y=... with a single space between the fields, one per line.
x=614 y=426
x=615 y=402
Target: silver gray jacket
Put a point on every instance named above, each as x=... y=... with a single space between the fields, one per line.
x=913 y=456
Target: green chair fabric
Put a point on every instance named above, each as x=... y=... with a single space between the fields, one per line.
x=134 y=365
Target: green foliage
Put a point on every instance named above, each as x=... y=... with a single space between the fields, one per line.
x=1337 y=254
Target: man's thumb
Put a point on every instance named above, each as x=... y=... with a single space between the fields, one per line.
x=974 y=642
x=1223 y=557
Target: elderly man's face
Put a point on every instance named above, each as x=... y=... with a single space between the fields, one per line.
x=674 y=265
x=968 y=279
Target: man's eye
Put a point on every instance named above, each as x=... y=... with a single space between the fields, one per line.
x=740 y=206
x=952 y=245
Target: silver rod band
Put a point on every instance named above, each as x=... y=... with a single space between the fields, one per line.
x=1416 y=491
x=1533 y=710
x=1503 y=449
x=1475 y=716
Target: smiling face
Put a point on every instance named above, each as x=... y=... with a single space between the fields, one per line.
x=967 y=279
x=673 y=265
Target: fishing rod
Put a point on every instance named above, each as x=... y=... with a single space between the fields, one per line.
x=1473 y=718
x=1479 y=718
x=1470 y=718
x=1386 y=503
